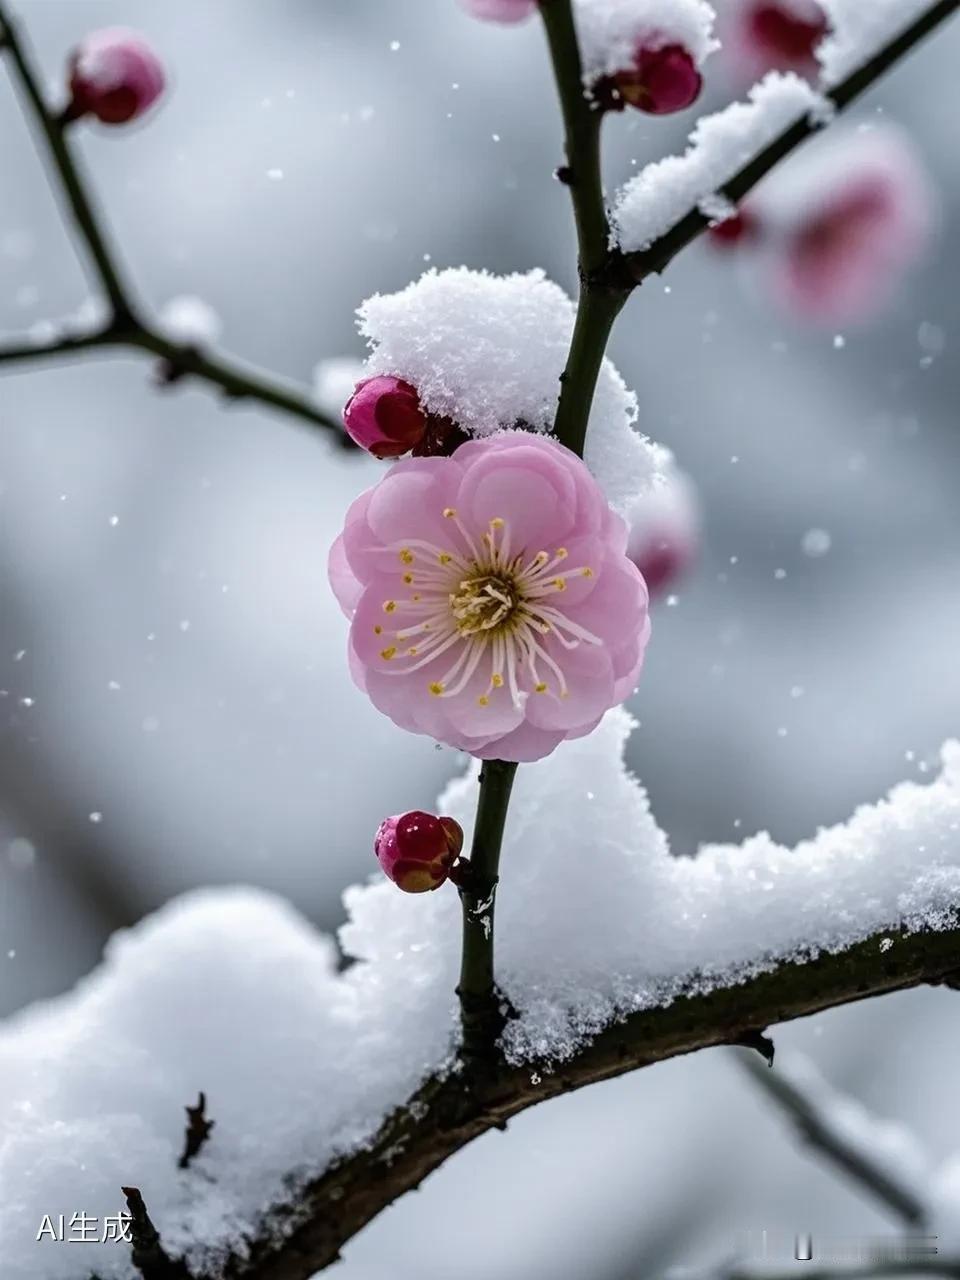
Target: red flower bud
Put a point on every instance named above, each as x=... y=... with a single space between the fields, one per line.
x=384 y=416
x=115 y=76
x=660 y=81
x=416 y=850
x=740 y=226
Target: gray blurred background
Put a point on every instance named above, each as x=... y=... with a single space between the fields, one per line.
x=175 y=708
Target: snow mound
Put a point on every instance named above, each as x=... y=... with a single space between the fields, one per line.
x=232 y=992
x=720 y=145
x=610 y=30
x=488 y=351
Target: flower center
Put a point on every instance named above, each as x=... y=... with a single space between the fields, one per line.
x=482 y=603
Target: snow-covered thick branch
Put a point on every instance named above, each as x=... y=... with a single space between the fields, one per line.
x=336 y=1091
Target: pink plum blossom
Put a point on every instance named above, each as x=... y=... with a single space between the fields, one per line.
x=500 y=10
x=665 y=532
x=492 y=603
x=776 y=35
x=114 y=75
x=845 y=231
x=416 y=850
x=662 y=79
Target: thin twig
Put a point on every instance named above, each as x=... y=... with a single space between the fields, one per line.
x=816 y=1128
x=637 y=266
x=480 y=1005
x=602 y=292
x=126 y=328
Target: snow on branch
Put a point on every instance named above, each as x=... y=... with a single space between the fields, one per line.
x=732 y=150
x=343 y=1088
x=662 y=192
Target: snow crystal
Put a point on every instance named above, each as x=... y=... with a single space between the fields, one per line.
x=191 y=320
x=720 y=145
x=334 y=381
x=610 y=30
x=858 y=30
x=231 y=992
x=488 y=352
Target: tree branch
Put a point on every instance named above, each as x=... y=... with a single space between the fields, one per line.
x=637 y=266
x=302 y=1237
x=125 y=327
x=602 y=292
x=818 y=1130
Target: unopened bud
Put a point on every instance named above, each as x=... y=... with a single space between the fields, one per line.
x=417 y=850
x=114 y=75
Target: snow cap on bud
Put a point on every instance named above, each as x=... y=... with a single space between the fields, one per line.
x=500 y=10
x=661 y=80
x=114 y=75
x=416 y=850
x=384 y=416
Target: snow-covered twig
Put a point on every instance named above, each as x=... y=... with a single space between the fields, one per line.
x=814 y=1112
x=658 y=255
x=125 y=327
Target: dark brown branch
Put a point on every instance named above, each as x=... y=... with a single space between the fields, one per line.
x=816 y=1129
x=149 y=1256
x=126 y=328
x=306 y=1235
x=637 y=266
x=198 y=1131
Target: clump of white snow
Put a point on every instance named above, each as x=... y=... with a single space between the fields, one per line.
x=232 y=992
x=334 y=381
x=858 y=30
x=720 y=145
x=189 y=319
x=488 y=351
x=610 y=31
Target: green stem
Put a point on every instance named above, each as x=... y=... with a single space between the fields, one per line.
x=479 y=1003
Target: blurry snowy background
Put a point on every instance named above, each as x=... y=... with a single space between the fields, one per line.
x=175 y=708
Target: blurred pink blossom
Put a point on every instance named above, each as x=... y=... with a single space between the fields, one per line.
x=844 y=222
x=665 y=533
x=500 y=10
x=775 y=35
x=114 y=75
x=493 y=606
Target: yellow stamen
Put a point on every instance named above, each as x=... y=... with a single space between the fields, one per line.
x=408 y=578
x=449 y=513
x=406 y=556
x=444 y=557
x=388 y=653
x=483 y=701
x=389 y=606
x=378 y=630
x=497 y=522
x=436 y=688
x=562 y=553
x=586 y=572
x=560 y=584
x=540 y=688
x=497 y=680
